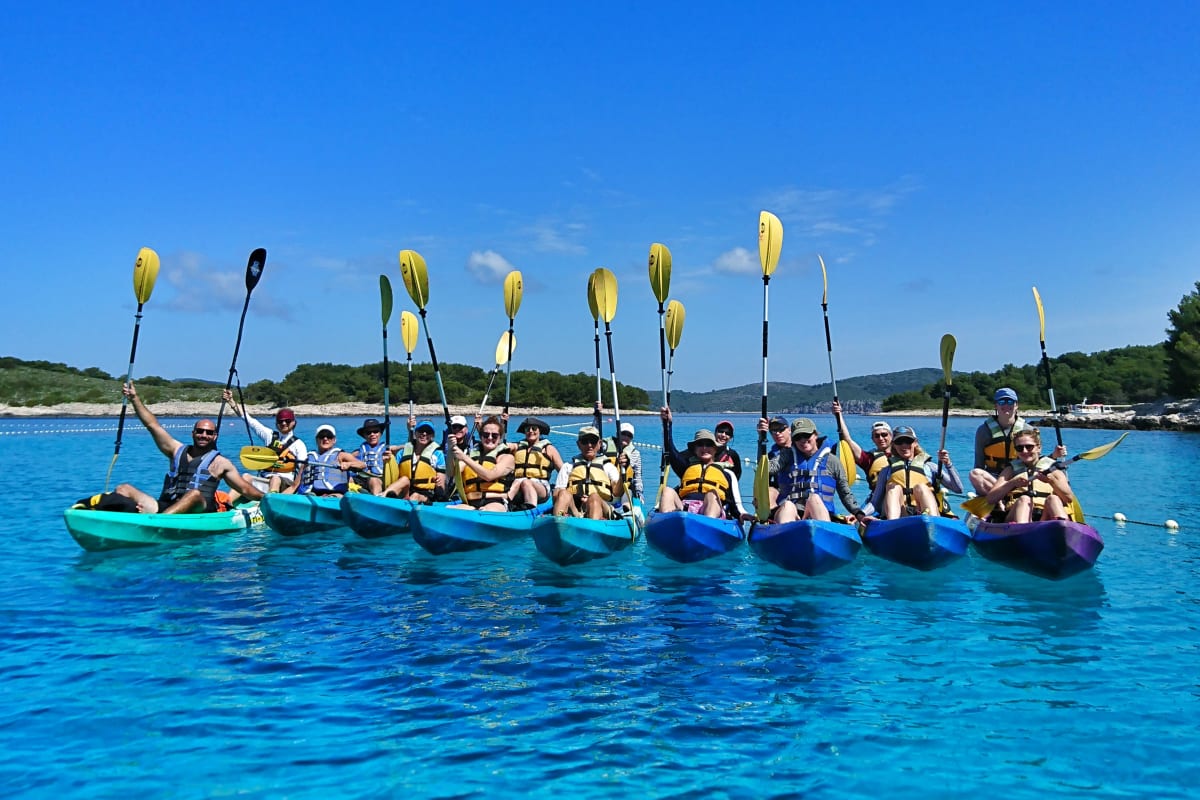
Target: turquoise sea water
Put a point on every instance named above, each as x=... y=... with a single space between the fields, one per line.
x=333 y=666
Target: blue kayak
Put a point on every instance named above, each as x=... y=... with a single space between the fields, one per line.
x=375 y=517
x=806 y=546
x=575 y=540
x=298 y=514
x=1053 y=549
x=687 y=537
x=441 y=529
x=920 y=541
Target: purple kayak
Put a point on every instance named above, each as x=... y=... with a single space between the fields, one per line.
x=1054 y=549
x=806 y=546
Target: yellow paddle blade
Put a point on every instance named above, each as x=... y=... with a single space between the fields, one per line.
x=770 y=241
x=1076 y=510
x=385 y=299
x=979 y=506
x=391 y=471
x=256 y=457
x=408 y=330
x=416 y=276
x=824 y=282
x=1101 y=451
x=503 y=348
x=145 y=273
x=947 y=352
x=762 y=489
x=513 y=289
x=674 y=322
x=593 y=300
x=1037 y=298
x=846 y=456
x=660 y=271
x=458 y=483
x=605 y=290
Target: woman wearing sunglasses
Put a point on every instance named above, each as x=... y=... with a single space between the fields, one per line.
x=1032 y=486
x=486 y=468
x=912 y=482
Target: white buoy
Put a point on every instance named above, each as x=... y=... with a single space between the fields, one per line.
x=1171 y=525
x=1119 y=517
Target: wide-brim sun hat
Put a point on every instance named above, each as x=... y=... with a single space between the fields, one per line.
x=534 y=422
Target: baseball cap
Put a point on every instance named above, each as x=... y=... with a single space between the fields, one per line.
x=903 y=432
x=881 y=426
x=725 y=424
x=803 y=426
x=777 y=421
x=285 y=414
x=626 y=428
x=324 y=428
x=1005 y=393
x=588 y=430
x=458 y=419
x=424 y=425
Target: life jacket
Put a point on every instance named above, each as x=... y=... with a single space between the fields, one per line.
x=1040 y=489
x=478 y=488
x=589 y=477
x=879 y=460
x=287 y=461
x=699 y=479
x=908 y=474
x=323 y=475
x=610 y=451
x=532 y=461
x=420 y=468
x=186 y=474
x=372 y=457
x=807 y=476
x=998 y=452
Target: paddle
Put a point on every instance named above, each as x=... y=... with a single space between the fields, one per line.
x=605 y=288
x=845 y=453
x=255 y=457
x=408 y=335
x=1076 y=509
x=770 y=241
x=674 y=331
x=385 y=305
x=594 y=306
x=513 y=289
x=145 y=273
x=980 y=507
x=660 y=284
x=949 y=344
x=504 y=350
x=254 y=270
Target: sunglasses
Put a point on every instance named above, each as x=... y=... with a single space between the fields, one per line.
x=723 y=432
x=203 y=432
x=1006 y=402
x=1025 y=448
x=457 y=428
x=899 y=442
x=587 y=441
x=489 y=435
x=778 y=429
x=704 y=444
x=324 y=435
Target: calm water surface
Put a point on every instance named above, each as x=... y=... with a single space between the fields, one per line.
x=255 y=666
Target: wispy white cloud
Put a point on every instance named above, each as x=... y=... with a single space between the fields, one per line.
x=738 y=261
x=488 y=266
x=551 y=237
x=200 y=289
x=850 y=213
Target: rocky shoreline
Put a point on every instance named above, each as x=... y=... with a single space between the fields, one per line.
x=1183 y=415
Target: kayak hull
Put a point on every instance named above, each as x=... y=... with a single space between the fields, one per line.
x=298 y=514
x=374 y=517
x=577 y=540
x=1054 y=549
x=441 y=529
x=113 y=530
x=921 y=541
x=806 y=546
x=687 y=538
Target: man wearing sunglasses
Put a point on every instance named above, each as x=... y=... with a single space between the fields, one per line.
x=590 y=483
x=196 y=470
x=875 y=459
x=804 y=474
x=993 y=442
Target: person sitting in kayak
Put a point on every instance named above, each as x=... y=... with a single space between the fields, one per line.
x=705 y=487
x=422 y=468
x=994 y=442
x=282 y=440
x=486 y=469
x=373 y=452
x=590 y=483
x=911 y=483
x=1033 y=486
x=874 y=460
x=725 y=454
x=536 y=460
x=196 y=470
x=804 y=476
x=327 y=473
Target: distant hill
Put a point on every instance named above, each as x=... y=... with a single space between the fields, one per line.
x=863 y=394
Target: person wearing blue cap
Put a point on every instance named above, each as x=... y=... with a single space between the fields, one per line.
x=994 y=441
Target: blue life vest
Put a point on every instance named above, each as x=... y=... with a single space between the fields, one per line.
x=805 y=477
x=323 y=475
x=187 y=474
x=372 y=457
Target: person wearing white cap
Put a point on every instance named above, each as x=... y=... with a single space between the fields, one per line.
x=874 y=460
x=329 y=467
x=632 y=461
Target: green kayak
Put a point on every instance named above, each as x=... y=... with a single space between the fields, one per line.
x=109 y=530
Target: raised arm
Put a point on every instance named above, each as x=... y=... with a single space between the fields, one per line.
x=165 y=441
x=844 y=431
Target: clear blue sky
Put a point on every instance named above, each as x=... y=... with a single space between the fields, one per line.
x=942 y=157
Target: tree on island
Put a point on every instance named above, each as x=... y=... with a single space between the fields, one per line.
x=1183 y=346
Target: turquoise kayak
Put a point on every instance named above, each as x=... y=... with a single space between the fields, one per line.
x=920 y=541
x=374 y=517
x=110 y=530
x=575 y=540
x=298 y=514
x=806 y=546
x=686 y=537
x=441 y=529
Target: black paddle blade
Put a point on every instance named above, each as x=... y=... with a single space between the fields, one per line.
x=254 y=268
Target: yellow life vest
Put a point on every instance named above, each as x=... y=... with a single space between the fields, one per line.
x=998 y=452
x=589 y=477
x=879 y=460
x=699 y=479
x=1040 y=489
x=532 y=461
x=478 y=488
x=419 y=468
x=287 y=459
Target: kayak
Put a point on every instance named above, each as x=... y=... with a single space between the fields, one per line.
x=110 y=530
x=921 y=541
x=375 y=517
x=575 y=540
x=806 y=546
x=297 y=514
x=686 y=537
x=441 y=529
x=1053 y=549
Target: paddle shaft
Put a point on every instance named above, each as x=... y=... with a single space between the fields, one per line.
x=508 y=369
x=233 y=368
x=137 y=324
x=437 y=371
x=488 y=391
x=762 y=435
x=599 y=392
x=387 y=400
x=612 y=373
x=832 y=379
x=411 y=399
